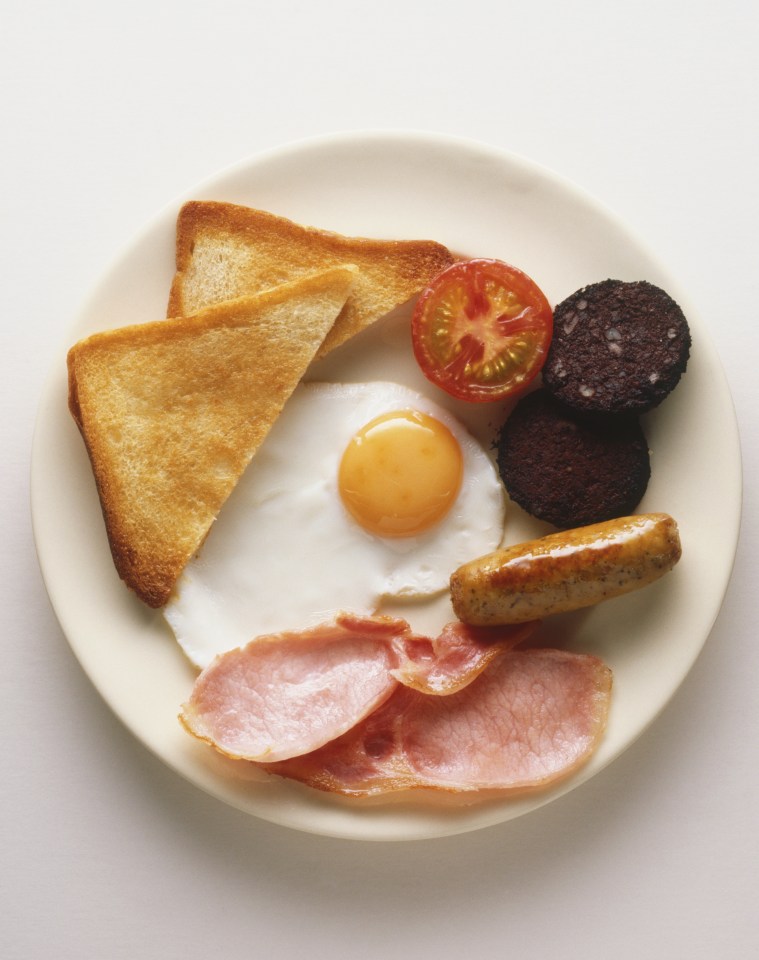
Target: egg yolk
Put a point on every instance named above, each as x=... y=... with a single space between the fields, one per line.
x=400 y=474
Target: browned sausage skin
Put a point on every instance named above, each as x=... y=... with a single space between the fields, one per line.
x=565 y=571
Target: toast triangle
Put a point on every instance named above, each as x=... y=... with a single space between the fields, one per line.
x=171 y=413
x=225 y=250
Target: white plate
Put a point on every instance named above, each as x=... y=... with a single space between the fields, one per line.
x=477 y=201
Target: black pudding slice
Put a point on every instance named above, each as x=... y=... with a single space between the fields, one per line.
x=571 y=470
x=617 y=347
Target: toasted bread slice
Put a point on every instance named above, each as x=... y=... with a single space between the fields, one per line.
x=225 y=250
x=171 y=413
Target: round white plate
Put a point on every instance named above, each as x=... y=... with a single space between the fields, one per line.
x=480 y=202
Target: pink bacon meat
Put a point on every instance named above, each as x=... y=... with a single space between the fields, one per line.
x=531 y=718
x=287 y=694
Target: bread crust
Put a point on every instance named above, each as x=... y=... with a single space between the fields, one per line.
x=226 y=250
x=171 y=412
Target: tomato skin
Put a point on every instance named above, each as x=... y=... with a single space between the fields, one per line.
x=481 y=330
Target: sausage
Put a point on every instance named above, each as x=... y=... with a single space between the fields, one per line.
x=565 y=571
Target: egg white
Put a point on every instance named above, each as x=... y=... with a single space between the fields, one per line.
x=285 y=554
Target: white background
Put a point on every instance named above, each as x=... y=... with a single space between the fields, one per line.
x=109 y=113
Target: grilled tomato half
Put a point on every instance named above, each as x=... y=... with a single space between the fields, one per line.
x=481 y=330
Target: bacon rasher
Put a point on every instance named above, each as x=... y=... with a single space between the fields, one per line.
x=531 y=718
x=287 y=694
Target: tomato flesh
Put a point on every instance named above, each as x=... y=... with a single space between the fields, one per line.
x=481 y=330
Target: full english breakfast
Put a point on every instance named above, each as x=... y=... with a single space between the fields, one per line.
x=270 y=518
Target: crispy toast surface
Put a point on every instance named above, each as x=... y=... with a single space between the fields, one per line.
x=172 y=411
x=225 y=250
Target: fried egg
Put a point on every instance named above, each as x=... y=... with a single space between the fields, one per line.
x=361 y=493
